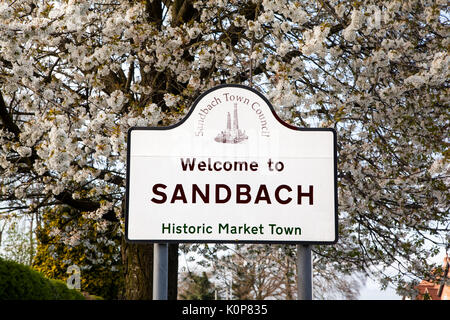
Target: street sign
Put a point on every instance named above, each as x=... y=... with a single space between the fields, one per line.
x=231 y=171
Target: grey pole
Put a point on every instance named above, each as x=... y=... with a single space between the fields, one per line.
x=304 y=272
x=160 y=270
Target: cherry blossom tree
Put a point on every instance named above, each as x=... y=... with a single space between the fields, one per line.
x=75 y=75
x=257 y=271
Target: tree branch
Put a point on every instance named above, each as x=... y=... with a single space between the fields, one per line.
x=6 y=118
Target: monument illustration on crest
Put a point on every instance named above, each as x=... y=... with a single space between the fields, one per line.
x=232 y=134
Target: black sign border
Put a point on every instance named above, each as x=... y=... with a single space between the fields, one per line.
x=233 y=241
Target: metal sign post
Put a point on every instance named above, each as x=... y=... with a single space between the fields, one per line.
x=160 y=271
x=304 y=272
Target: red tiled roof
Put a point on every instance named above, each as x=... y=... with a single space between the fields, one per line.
x=432 y=291
x=428 y=291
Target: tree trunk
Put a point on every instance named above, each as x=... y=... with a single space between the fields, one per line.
x=138 y=271
x=137 y=262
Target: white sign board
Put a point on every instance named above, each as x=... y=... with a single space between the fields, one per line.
x=231 y=171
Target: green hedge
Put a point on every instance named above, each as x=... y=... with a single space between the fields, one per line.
x=19 y=282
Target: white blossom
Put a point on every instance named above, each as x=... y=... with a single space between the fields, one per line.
x=24 y=151
x=415 y=80
x=170 y=99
